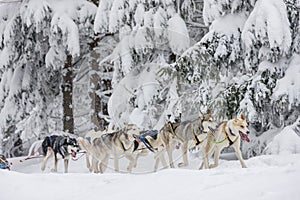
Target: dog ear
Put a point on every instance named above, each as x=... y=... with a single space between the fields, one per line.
x=209 y=112
x=235 y=119
x=243 y=117
x=201 y=115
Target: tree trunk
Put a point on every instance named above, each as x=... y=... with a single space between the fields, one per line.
x=67 y=90
x=97 y=83
x=94 y=85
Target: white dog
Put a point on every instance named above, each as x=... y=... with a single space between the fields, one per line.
x=227 y=134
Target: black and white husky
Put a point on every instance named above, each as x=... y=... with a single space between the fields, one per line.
x=59 y=147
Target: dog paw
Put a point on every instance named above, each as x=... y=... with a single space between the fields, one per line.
x=212 y=166
x=53 y=170
x=182 y=165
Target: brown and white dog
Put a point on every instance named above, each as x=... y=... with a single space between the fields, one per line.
x=229 y=133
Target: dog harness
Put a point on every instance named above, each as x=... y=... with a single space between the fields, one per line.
x=143 y=138
x=50 y=140
x=197 y=141
x=227 y=137
x=4 y=164
x=89 y=139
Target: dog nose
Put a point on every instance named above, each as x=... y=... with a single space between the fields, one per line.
x=248 y=132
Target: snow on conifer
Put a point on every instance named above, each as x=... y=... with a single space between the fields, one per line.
x=178 y=35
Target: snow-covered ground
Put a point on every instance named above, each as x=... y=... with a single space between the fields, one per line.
x=267 y=177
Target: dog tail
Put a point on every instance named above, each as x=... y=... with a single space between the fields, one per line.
x=82 y=143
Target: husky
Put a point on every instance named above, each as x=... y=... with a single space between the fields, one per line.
x=85 y=144
x=228 y=133
x=114 y=144
x=59 y=147
x=184 y=132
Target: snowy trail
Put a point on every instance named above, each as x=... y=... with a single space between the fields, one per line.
x=267 y=177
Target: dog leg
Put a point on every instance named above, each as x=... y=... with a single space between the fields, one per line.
x=136 y=157
x=132 y=162
x=170 y=155
x=216 y=158
x=116 y=162
x=239 y=154
x=163 y=160
x=95 y=165
x=104 y=163
x=207 y=154
x=47 y=157
x=202 y=165
x=55 y=164
x=88 y=164
x=184 y=155
x=66 y=163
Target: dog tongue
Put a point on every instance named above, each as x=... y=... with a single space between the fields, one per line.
x=74 y=154
x=244 y=136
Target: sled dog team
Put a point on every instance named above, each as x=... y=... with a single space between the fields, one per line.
x=131 y=142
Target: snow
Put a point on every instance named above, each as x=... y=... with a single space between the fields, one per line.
x=101 y=19
x=290 y=83
x=268 y=177
x=230 y=24
x=286 y=142
x=34 y=12
x=141 y=85
x=268 y=21
x=116 y=15
x=69 y=30
x=159 y=21
x=178 y=35
x=139 y=13
x=7 y=12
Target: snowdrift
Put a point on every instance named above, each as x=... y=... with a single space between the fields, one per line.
x=268 y=177
x=286 y=142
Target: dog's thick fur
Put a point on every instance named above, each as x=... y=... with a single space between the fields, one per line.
x=183 y=132
x=231 y=133
x=113 y=144
x=59 y=147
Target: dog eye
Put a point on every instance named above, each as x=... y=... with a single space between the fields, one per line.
x=242 y=126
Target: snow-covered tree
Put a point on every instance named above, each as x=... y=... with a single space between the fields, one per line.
x=149 y=32
x=267 y=36
x=244 y=64
x=36 y=40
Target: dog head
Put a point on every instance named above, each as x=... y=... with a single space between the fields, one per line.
x=240 y=126
x=72 y=146
x=131 y=130
x=207 y=122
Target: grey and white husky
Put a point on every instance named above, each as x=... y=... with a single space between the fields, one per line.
x=184 y=132
x=114 y=144
x=85 y=144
